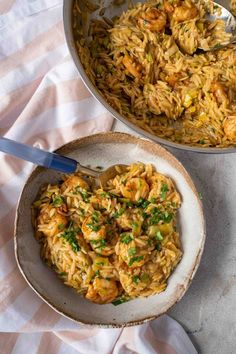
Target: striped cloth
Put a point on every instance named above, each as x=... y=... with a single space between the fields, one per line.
x=45 y=104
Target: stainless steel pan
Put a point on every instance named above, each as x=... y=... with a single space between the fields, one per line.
x=83 y=22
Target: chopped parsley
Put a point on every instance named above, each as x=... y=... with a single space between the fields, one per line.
x=217 y=46
x=164 y=190
x=202 y=142
x=145 y=277
x=84 y=194
x=159 y=236
x=118 y=213
x=126 y=238
x=60 y=227
x=97 y=273
x=105 y=194
x=135 y=259
x=142 y=203
x=200 y=195
x=158 y=215
x=136 y=279
x=62 y=274
x=158 y=246
x=94 y=227
x=132 y=251
x=99 y=243
x=58 y=200
x=135 y=226
x=70 y=236
x=119 y=301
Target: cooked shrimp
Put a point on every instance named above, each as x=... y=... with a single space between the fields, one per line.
x=129 y=253
x=135 y=189
x=51 y=222
x=162 y=187
x=132 y=66
x=219 y=92
x=185 y=12
x=229 y=126
x=102 y=291
x=168 y=7
x=93 y=231
x=153 y=19
x=73 y=182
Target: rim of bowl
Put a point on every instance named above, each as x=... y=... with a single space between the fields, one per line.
x=114 y=137
x=67 y=16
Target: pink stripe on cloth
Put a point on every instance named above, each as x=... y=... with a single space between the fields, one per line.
x=45 y=42
x=10 y=288
x=7 y=227
x=5 y=6
x=7 y=342
x=75 y=336
x=157 y=345
x=49 y=344
x=52 y=96
x=13 y=103
x=45 y=319
x=44 y=99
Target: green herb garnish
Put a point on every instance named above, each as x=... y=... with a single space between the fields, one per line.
x=70 y=236
x=159 y=236
x=60 y=227
x=135 y=259
x=58 y=200
x=136 y=279
x=142 y=203
x=100 y=243
x=132 y=251
x=158 y=246
x=62 y=274
x=118 y=213
x=135 y=226
x=119 y=301
x=202 y=142
x=126 y=238
x=94 y=227
x=200 y=195
x=217 y=46
x=164 y=190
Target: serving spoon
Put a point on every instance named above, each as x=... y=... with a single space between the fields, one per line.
x=221 y=13
x=58 y=162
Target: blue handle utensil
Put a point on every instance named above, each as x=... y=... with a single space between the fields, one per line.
x=57 y=162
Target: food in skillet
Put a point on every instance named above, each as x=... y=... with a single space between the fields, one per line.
x=148 y=67
x=111 y=244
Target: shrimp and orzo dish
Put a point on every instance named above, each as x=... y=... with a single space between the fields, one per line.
x=148 y=66
x=111 y=244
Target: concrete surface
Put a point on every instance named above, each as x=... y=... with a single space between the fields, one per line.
x=208 y=309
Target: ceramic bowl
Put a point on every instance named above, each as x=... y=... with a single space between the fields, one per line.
x=106 y=149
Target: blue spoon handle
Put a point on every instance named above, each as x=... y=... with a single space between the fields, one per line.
x=38 y=156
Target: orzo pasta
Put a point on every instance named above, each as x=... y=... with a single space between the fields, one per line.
x=111 y=244
x=148 y=66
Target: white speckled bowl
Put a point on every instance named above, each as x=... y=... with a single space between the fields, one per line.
x=105 y=150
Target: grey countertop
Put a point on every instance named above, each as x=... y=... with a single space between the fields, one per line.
x=208 y=309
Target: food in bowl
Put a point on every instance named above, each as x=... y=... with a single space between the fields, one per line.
x=111 y=244
x=145 y=65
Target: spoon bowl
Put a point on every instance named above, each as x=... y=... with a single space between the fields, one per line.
x=221 y=13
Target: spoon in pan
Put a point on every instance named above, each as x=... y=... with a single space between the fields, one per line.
x=57 y=162
x=221 y=13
